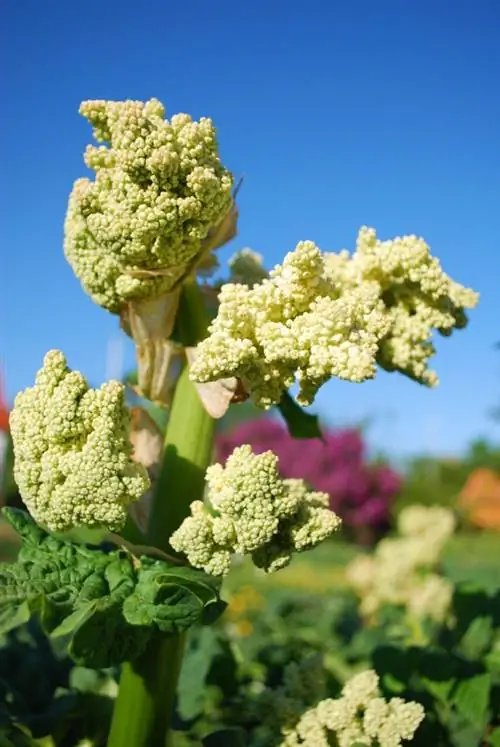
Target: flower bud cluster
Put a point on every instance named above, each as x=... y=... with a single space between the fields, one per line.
x=359 y=716
x=159 y=190
x=402 y=569
x=322 y=315
x=417 y=294
x=253 y=511
x=73 y=456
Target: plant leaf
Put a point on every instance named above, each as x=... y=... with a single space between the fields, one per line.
x=472 y=697
x=195 y=668
x=493 y=737
x=104 y=604
x=171 y=597
x=477 y=638
x=300 y=423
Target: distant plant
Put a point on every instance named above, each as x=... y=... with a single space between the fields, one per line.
x=432 y=480
x=403 y=570
x=361 y=492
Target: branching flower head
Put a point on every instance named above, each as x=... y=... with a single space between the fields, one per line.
x=159 y=190
x=293 y=325
x=319 y=316
x=253 y=511
x=361 y=492
x=360 y=715
x=418 y=296
x=72 y=450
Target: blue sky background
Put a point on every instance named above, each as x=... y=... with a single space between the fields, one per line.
x=338 y=113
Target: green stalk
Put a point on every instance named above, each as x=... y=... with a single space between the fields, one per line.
x=143 y=710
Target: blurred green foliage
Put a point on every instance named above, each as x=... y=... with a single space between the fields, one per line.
x=433 y=480
x=304 y=611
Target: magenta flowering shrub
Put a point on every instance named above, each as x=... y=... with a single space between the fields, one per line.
x=360 y=492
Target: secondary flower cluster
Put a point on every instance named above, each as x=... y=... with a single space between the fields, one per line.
x=360 y=492
x=253 y=511
x=322 y=315
x=401 y=570
x=159 y=190
x=360 y=716
x=72 y=450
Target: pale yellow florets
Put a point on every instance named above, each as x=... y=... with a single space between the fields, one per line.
x=319 y=316
x=360 y=715
x=72 y=450
x=418 y=296
x=402 y=569
x=293 y=325
x=159 y=189
x=255 y=512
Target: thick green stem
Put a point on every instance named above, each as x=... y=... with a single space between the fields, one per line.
x=145 y=702
x=143 y=709
x=188 y=449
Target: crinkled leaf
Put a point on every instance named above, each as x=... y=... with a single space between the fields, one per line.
x=77 y=618
x=104 y=604
x=106 y=639
x=300 y=423
x=13 y=616
x=171 y=597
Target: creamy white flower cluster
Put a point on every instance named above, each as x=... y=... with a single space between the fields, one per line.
x=255 y=512
x=359 y=716
x=401 y=571
x=418 y=296
x=323 y=315
x=159 y=190
x=73 y=456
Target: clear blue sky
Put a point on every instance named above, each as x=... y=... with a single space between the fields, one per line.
x=338 y=113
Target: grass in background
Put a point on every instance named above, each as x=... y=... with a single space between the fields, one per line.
x=473 y=557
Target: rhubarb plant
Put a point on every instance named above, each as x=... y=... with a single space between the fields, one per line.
x=142 y=236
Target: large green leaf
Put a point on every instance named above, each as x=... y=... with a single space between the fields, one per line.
x=104 y=603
